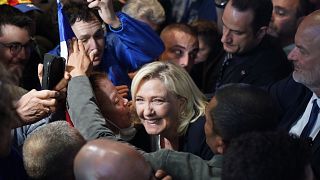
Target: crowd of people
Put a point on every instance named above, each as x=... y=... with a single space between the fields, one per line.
x=162 y=89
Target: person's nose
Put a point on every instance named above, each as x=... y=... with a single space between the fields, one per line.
x=226 y=36
x=184 y=61
x=91 y=45
x=148 y=110
x=293 y=55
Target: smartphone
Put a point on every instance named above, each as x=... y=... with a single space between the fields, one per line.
x=53 y=70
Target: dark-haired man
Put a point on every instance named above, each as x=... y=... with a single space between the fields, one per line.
x=250 y=55
x=267 y=156
x=286 y=16
x=181 y=45
x=129 y=44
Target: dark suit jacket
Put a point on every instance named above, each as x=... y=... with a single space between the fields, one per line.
x=262 y=65
x=194 y=141
x=292 y=99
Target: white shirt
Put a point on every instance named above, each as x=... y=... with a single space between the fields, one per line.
x=301 y=123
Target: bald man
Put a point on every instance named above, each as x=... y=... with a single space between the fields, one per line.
x=298 y=95
x=106 y=159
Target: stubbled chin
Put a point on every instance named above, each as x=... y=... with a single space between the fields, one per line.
x=16 y=72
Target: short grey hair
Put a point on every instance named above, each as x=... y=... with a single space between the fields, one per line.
x=151 y=10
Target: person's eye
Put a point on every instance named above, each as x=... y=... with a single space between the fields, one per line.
x=280 y=12
x=158 y=101
x=84 y=40
x=15 y=47
x=99 y=35
x=178 y=52
x=139 y=100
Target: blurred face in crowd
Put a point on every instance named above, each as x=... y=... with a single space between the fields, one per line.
x=157 y=108
x=112 y=105
x=212 y=139
x=15 y=48
x=180 y=48
x=305 y=56
x=92 y=35
x=238 y=35
x=284 y=21
x=203 y=52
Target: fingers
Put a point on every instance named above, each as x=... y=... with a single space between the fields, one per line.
x=92 y=54
x=81 y=46
x=75 y=46
x=94 y=4
x=40 y=72
x=61 y=85
x=45 y=94
x=161 y=174
x=48 y=102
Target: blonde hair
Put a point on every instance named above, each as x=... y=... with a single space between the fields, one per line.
x=178 y=82
x=151 y=10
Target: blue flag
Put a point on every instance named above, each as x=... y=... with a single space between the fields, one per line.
x=65 y=31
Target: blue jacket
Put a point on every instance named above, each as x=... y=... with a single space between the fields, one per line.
x=127 y=49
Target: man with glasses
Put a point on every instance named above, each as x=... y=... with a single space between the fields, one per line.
x=15 y=40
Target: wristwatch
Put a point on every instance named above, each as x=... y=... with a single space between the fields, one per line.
x=220 y=3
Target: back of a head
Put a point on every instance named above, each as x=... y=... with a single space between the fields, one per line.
x=48 y=153
x=267 y=156
x=262 y=11
x=242 y=108
x=12 y=16
x=106 y=159
x=150 y=10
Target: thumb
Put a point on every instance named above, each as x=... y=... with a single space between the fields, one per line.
x=92 y=54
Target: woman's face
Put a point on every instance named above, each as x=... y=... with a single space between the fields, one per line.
x=157 y=108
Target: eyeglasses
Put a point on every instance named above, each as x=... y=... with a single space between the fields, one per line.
x=16 y=47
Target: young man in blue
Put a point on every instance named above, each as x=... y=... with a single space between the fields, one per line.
x=129 y=44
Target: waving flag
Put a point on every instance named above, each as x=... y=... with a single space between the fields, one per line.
x=65 y=31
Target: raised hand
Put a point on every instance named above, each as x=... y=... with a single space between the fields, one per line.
x=106 y=12
x=123 y=90
x=79 y=63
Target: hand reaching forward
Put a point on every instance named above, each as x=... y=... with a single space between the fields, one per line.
x=79 y=63
x=35 y=105
x=106 y=12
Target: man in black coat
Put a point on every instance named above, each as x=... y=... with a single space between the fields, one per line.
x=250 y=56
x=298 y=95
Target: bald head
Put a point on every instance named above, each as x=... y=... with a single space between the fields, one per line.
x=106 y=159
x=310 y=26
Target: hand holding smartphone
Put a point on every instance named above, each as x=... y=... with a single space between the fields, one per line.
x=53 y=71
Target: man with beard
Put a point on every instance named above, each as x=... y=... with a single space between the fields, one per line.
x=286 y=16
x=298 y=95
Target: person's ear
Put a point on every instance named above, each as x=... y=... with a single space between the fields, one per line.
x=219 y=145
x=261 y=32
x=182 y=103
